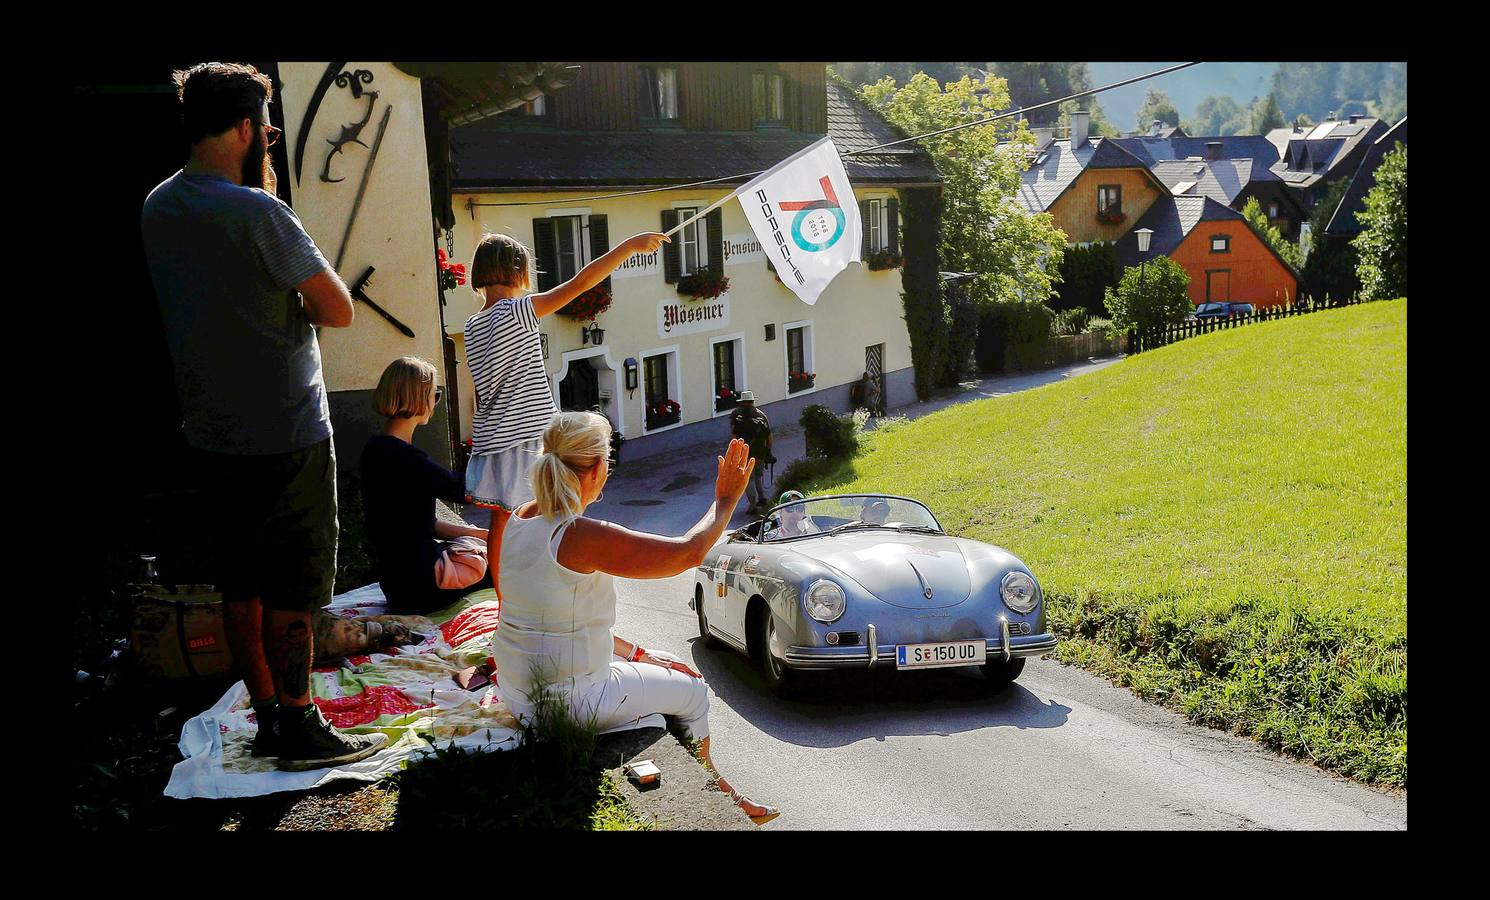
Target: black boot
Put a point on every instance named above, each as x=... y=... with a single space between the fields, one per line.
x=307 y=741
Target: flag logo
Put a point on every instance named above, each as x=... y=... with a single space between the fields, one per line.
x=819 y=223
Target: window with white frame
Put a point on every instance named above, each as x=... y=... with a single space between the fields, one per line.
x=799 y=371
x=660 y=381
x=728 y=356
x=569 y=246
x=876 y=224
x=693 y=241
x=1273 y=210
x=660 y=92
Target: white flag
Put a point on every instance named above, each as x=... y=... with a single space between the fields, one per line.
x=804 y=214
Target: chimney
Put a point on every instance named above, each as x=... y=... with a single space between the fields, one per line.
x=1213 y=150
x=1043 y=137
x=1079 y=122
x=1354 y=117
x=1155 y=127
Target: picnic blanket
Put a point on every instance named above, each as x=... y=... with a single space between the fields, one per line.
x=409 y=694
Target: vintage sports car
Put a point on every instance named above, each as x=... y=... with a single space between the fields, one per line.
x=863 y=580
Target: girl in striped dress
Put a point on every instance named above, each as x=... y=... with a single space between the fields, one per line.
x=514 y=401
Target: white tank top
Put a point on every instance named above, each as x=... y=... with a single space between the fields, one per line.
x=554 y=621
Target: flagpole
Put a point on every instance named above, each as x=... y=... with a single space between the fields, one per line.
x=718 y=203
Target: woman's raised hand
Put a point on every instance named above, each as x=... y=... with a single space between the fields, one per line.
x=735 y=467
x=647 y=241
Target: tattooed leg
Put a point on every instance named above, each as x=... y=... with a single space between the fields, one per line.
x=290 y=647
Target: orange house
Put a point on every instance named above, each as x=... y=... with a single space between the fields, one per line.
x=1225 y=258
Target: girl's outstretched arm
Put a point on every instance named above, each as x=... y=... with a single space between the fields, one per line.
x=555 y=299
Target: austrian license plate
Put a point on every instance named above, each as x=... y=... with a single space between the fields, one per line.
x=930 y=656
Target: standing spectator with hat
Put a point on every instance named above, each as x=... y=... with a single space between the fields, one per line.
x=753 y=427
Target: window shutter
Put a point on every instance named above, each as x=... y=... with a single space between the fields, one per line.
x=716 y=241
x=546 y=253
x=600 y=243
x=864 y=248
x=892 y=215
x=672 y=264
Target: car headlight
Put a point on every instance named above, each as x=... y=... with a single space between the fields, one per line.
x=1019 y=592
x=825 y=601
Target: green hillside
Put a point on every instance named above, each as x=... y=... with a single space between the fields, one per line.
x=1220 y=524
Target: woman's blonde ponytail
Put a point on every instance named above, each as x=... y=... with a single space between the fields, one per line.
x=573 y=442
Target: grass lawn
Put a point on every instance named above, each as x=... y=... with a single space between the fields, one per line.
x=1220 y=524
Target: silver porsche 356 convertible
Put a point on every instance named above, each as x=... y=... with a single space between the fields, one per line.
x=864 y=580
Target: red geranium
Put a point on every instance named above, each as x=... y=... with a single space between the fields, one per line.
x=452 y=275
x=588 y=305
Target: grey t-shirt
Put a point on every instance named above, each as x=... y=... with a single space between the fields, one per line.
x=225 y=260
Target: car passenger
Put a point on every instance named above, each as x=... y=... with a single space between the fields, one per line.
x=875 y=512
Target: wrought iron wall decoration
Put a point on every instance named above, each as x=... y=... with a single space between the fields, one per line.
x=306 y=121
x=349 y=135
x=355 y=81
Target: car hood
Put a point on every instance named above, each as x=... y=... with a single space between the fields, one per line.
x=896 y=568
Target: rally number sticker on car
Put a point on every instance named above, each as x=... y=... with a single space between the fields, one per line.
x=931 y=656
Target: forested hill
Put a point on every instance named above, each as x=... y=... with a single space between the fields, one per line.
x=1213 y=98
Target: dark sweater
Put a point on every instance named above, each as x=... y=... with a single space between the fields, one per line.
x=400 y=484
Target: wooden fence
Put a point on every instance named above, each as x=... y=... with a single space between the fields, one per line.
x=1141 y=341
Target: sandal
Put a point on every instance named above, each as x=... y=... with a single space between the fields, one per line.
x=766 y=814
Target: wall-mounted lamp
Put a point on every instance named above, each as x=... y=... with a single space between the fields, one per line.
x=593 y=334
x=543 y=342
x=771 y=332
x=630 y=365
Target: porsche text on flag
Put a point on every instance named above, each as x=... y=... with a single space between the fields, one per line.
x=804 y=214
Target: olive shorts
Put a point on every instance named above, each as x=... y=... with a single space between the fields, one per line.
x=277 y=525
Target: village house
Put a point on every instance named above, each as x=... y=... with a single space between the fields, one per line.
x=1225 y=258
x=1344 y=222
x=1311 y=157
x=663 y=366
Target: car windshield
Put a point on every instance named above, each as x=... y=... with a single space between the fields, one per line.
x=824 y=515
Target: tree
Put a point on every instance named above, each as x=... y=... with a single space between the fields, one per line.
x=1098 y=124
x=1150 y=296
x=1252 y=212
x=1382 y=244
x=983 y=229
x=1267 y=115
x=1329 y=270
x=1215 y=115
x=1156 y=107
x=1085 y=275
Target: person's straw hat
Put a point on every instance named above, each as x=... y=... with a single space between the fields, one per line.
x=746 y=397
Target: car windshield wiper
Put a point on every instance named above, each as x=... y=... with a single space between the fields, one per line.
x=847 y=525
x=919 y=529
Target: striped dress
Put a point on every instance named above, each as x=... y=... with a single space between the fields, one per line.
x=514 y=401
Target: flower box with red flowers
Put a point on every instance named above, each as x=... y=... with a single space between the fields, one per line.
x=663 y=413
x=452 y=274
x=704 y=285
x=1110 y=216
x=588 y=305
x=800 y=381
x=725 y=399
x=879 y=260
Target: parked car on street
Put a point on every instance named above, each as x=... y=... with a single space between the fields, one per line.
x=858 y=581
x=1220 y=310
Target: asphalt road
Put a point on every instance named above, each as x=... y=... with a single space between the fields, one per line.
x=927 y=750
x=1061 y=749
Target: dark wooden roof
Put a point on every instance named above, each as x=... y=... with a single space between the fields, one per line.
x=1344 y=219
x=495 y=156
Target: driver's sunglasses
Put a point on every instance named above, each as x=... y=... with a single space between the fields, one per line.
x=274 y=134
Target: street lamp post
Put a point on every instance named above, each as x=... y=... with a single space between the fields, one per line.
x=1144 y=236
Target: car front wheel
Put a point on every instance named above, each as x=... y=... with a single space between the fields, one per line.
x=998 y=675
x=780 y=678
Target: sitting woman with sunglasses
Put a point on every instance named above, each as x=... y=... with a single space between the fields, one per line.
x=424 y=564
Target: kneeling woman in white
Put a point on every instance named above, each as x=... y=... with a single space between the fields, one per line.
x=559 y=597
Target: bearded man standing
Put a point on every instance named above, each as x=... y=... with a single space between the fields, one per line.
x=240 y=285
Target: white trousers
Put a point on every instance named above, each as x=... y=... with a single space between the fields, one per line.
x=631 y=691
